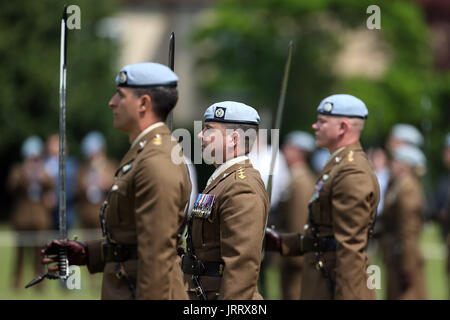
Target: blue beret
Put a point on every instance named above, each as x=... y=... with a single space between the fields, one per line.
x=343 y=105
x=32 y=147
x=231 y=112
x=147 y=74
x=301 y=140
x=92 y=143
x=411 y=155
x=407 y=133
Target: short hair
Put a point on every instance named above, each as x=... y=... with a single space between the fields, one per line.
x=164 y=98
x=248 y=130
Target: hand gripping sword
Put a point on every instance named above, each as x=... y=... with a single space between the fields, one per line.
x=63 y=262
x=172 y=67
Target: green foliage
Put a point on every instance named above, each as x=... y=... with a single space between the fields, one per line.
x=242 y=49
x=29 y=52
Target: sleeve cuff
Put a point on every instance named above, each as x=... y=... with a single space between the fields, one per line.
x=95 y=256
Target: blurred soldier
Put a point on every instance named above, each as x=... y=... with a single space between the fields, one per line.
x=32 y=190
x=402 y=220
x=144 y=209
x=95 y=178
x=51 y=161
x=226 y=227
x=342 y=209
x=293 y=212
x=401 y=134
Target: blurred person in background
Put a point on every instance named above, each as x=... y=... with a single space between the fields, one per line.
x=33 y=199
x=94 y=180
x=441 y=212
x=51 y=162
x=403 y=221
x=401 y=134
x=261 y=157
x=293 y=210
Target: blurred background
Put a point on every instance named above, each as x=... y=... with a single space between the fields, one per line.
x=225 y=50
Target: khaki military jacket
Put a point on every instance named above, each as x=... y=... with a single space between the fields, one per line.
x=232 y=234
x=145 y=208
x=29 y=213
x=402 y=220
x=343 y=206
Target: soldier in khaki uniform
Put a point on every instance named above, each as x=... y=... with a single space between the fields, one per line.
x=94 y=180
x=342 y=209
x=293 y=209
x=226 y=227
x=32 y=190
x=403 y=220
x=145 y=207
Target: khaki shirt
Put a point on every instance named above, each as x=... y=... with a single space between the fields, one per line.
x=145 y=208
x=343 y=206
x=233 y=233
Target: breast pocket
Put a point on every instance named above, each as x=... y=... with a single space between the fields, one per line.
x=324 y=202
x=122 y=201
x=211 y=228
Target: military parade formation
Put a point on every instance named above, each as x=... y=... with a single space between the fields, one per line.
x=160 y=242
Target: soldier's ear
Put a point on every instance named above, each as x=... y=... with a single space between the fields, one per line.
x=145 y=103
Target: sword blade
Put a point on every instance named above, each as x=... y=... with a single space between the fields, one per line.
x=63 y=263
x=62 y=130
x=172 y=67
x=281 y=103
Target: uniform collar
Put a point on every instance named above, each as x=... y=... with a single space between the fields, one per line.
x=339 y=154
x=147 y=130
x=223 y=167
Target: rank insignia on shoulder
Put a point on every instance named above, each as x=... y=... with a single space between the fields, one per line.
x=203 y=206
x=126 y=168
x=350 y=156
x=240 y=173
x=157 y=140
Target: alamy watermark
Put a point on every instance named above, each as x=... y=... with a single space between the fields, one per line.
x=73 y=282
x=374 y=280
x=374 y=20
x=73 y=17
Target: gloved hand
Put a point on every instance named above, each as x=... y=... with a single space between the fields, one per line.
x=77 y=253
x=273 y=240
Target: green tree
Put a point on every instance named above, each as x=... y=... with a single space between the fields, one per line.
x=29 y=86
x=242 y=46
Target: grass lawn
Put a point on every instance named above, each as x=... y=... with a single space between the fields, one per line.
x=90 y=288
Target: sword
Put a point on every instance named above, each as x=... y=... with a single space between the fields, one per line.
x=172 y=67
x=279 y=116
x=63 y=262
x=281 y=103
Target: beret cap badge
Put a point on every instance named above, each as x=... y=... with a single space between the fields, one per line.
x=122 y=77
x=220 y=112
x=328 y=106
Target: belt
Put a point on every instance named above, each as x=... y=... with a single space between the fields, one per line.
x=115 y=252
x=322 y=244
x=191 y=265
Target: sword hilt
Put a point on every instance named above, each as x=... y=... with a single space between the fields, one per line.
x=63 y=264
